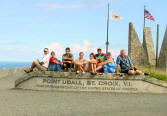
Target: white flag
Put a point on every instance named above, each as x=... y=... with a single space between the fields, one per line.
x=114 y=16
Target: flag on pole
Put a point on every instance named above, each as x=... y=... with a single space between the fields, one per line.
x=148 y=15
x=114 y=16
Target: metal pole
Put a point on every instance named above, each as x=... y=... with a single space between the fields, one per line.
x=144 y=22
x=144 y=16
x=107 y=42
x=157 y=45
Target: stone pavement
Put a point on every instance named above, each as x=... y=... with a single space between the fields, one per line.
x=47 y=103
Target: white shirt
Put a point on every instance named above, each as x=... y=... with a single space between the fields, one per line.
x=45 y=60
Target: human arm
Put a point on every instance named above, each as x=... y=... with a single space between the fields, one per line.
x=106 y=62
x=85 y=62
x=69 y=57
x=41 y=63
x=118 y=72
x=132 y=66
x=93 y=61
x=57 y=62
x=65 y=59
x=44 y=60
x=72 y=58
x=118 y=62
x=130 y=62
x=77 y=63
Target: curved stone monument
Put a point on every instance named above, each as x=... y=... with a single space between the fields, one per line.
x=65 y=81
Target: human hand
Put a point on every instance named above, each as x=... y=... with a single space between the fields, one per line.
x=68 y=61
x=65 y=57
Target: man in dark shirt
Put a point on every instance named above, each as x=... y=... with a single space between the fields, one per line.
x=124 y=62
x=68 y=60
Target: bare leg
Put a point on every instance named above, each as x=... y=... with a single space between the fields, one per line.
x=77 y=67
x=94 y=65
x=131 y=72
x=33 y=64
x=71 y=63
x=92 y=68
x=32 y=67
x=89 y=67
x=70 y=67
x=138 y=72
x=99 y=68
x=81 y=68
x=64 y=65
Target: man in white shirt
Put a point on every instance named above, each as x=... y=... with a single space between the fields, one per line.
x=41 y=65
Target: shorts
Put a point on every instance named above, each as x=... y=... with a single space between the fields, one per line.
x=68 y=65
x=126 y=71
x=55 y=67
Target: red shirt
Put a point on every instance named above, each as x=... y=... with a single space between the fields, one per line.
x=52 y=59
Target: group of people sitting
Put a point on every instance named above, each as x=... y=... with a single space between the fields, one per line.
x=98 y=63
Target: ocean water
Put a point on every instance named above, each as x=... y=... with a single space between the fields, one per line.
x=7 y=65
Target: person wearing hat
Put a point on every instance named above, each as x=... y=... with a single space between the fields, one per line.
x=41 y=65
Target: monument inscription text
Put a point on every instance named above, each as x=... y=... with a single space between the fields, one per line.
x=86 y=84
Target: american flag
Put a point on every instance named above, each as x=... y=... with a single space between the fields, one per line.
x=148 y=15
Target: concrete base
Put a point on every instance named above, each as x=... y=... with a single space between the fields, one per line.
x=89 y=83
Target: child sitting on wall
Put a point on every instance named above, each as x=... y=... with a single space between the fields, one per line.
x=92 y=64
x=54 y=63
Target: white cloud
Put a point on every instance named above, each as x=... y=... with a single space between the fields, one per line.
x=51 y=6
x=57 y=48
x=22 y=52
x=83 y=48
x=86 y=47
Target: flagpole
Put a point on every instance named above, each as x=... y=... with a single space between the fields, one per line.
x=157 y=45
x=107 y=42
x=144 y=23
x=144 y=16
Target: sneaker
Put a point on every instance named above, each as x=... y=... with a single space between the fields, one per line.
x=28 y=70
x=100 y=73
x=146 y=74
x=83 y=72
x=92 y=73
x=78 y=72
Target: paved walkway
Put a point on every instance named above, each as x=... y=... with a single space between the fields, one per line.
x=46 y=103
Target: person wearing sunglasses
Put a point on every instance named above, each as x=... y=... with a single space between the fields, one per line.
x=40 y=65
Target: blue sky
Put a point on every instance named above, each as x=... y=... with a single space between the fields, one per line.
x=27 y=26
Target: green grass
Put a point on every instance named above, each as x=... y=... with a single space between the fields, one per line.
x=155 y=73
